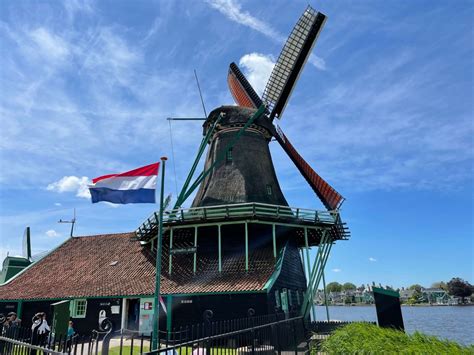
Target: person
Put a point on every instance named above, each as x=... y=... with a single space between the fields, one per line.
x=43 y=330
x=35 y=337
x=70 y=335
x=14 y=321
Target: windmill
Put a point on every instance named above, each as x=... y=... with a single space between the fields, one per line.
x=240 y=237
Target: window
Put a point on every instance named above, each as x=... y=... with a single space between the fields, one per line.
x=78 y=308
x=269 y=190
x=229 y=155
x=298 y=300
x=290 y=297
x=277 y=298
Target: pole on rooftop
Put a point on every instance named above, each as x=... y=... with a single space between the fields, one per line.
x=156 y=301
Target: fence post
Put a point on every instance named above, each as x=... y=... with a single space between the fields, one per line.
x=295 y=338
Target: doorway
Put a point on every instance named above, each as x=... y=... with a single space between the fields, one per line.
x=133 y=313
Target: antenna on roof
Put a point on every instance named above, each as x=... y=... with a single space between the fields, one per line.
x=72 y=222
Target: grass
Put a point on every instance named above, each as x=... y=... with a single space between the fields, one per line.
x=360 y=338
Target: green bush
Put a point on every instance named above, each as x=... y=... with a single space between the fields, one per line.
x=360 y=338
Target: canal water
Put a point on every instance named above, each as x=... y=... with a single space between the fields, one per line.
x=448 y=322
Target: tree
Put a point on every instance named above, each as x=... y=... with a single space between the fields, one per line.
x=415 y=287
x=348 y=286
x=442 y=285
x=334 y=287
x=459 y=288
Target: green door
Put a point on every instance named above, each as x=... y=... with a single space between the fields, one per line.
x=60 y=318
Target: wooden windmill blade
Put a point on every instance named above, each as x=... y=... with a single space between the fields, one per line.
x=240 y=88
x=291 y=61
x=330 y=198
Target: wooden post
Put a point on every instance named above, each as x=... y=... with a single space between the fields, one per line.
x=220 y=247
x=195 y=245
x=246 y=247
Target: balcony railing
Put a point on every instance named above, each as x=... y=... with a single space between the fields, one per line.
x=239 y=211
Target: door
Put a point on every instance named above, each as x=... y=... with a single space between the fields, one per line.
x=60 y=318
x=133 y=313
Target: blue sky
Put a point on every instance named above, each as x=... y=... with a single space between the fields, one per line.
x=383 y=111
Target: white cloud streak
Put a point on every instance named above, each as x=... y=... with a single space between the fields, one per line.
x=336 y=270
x=78 y=185
x=232 y=9
x=372 y=259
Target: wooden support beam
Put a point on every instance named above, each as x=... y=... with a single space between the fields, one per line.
x=246 y=247
x=220 y=247
x=274 y=241
x=195 y=245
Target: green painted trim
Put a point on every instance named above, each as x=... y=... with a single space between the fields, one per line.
x=137 y=296
x=242 y=221
x=274 y=241
x=278 y=265
x=74 y=298
x=19 y=309
x=195 y=245
x=202 y=148
x=217 y=293
x=169 y=317
x=325 y=296
x=386 y=292
x=219 y=246
x=246 y=247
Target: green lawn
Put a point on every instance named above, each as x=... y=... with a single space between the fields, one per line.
x=370 y=339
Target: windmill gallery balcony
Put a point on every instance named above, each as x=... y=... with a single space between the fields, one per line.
x=304 y=221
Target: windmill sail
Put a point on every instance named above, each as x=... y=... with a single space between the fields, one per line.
x=292 y=60
x=330 y=198
x=240 y=88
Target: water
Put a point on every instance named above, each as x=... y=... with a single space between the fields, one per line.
x=453 y=323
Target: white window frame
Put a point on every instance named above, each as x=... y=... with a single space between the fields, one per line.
x=77 y=305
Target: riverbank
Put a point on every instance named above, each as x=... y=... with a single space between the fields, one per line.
x=368 y=338
x=453 y=323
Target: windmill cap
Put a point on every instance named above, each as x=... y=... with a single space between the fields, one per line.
x=236 y=116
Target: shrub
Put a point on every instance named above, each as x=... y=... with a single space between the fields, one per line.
x=360 y=338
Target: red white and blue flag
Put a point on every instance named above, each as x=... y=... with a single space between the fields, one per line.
x=134 y=186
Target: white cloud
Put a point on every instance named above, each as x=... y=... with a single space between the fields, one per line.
x=372 y=259
x=318 y=62
x=336 y=270
x=52 y=233
x=50 y=45
x=71 y=184
x=58 y=204
x=257 y=68
x=233 y=11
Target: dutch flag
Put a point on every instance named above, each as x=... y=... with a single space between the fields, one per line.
x=134 y=186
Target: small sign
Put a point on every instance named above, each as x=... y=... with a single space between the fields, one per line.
x=148 y=305
x=115 y=309
x=190 y=250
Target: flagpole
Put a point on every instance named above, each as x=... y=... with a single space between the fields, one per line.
x=156 y=302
